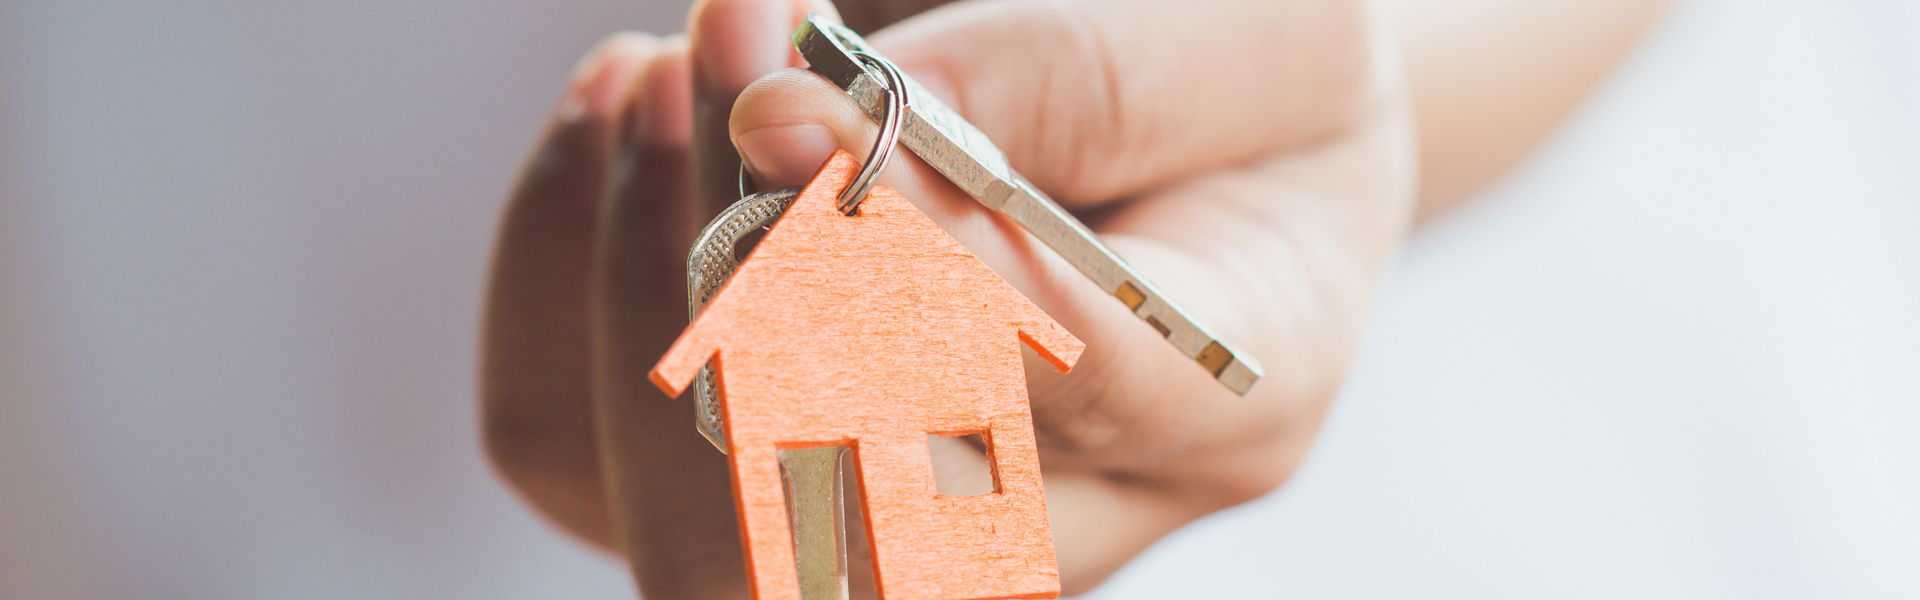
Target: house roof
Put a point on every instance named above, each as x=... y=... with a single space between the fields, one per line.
x=889 y=270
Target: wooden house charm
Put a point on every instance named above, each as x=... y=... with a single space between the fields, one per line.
x=873 y=331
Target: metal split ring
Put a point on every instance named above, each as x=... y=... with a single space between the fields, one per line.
x=883 y=144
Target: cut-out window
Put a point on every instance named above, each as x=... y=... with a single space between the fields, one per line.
x=962 y=464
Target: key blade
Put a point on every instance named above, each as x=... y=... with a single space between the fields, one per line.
x=964 y=155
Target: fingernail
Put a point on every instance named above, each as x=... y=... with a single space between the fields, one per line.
x=603 y=79
x=740 y=41
x=785 y=155
x=662 y=116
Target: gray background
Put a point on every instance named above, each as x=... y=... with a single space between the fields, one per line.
x=244 y=244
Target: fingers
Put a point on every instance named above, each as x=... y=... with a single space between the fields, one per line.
x=1264 y=203
x=866 y=16
x=673 y=501
x=734 y=43
x=1281 y=256
x=1278 y=256
x=534 y=384
x=1316 y=226
x=1100 y=99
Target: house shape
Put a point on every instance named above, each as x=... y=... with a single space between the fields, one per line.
x=875 y=331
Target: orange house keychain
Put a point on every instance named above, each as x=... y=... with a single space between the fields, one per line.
x=872 y=331
x=857 y=325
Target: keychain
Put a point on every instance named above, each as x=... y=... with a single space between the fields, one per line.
x=857 y=327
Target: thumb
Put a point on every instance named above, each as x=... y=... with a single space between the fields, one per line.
x=1094 y=100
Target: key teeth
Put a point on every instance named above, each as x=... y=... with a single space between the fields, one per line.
x=1214 y=358
x=1227 y=366
x=1238 y=376
x=1130 y=296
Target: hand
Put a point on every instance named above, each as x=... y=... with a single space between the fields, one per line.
x=1254 y=158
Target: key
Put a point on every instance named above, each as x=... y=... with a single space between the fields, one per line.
x=709 y=265
x=963 y=154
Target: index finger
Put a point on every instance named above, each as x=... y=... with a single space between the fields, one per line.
x=1095 y=100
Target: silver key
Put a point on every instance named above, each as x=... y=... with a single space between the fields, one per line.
x=709 y=265
x=961 y=152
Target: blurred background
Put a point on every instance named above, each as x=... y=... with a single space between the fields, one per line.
x=1675 y=355
x=243 y=249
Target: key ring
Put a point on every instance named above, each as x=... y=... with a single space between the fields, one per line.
x=883 y=145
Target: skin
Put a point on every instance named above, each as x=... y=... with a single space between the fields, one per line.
x=1265 y=200
x=1491 y=79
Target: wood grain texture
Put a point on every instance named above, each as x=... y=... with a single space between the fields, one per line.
x=873 y=331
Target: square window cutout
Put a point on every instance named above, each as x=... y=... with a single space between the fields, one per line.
x=962 y=464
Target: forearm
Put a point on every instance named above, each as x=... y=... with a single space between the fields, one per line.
x=1491 y=79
